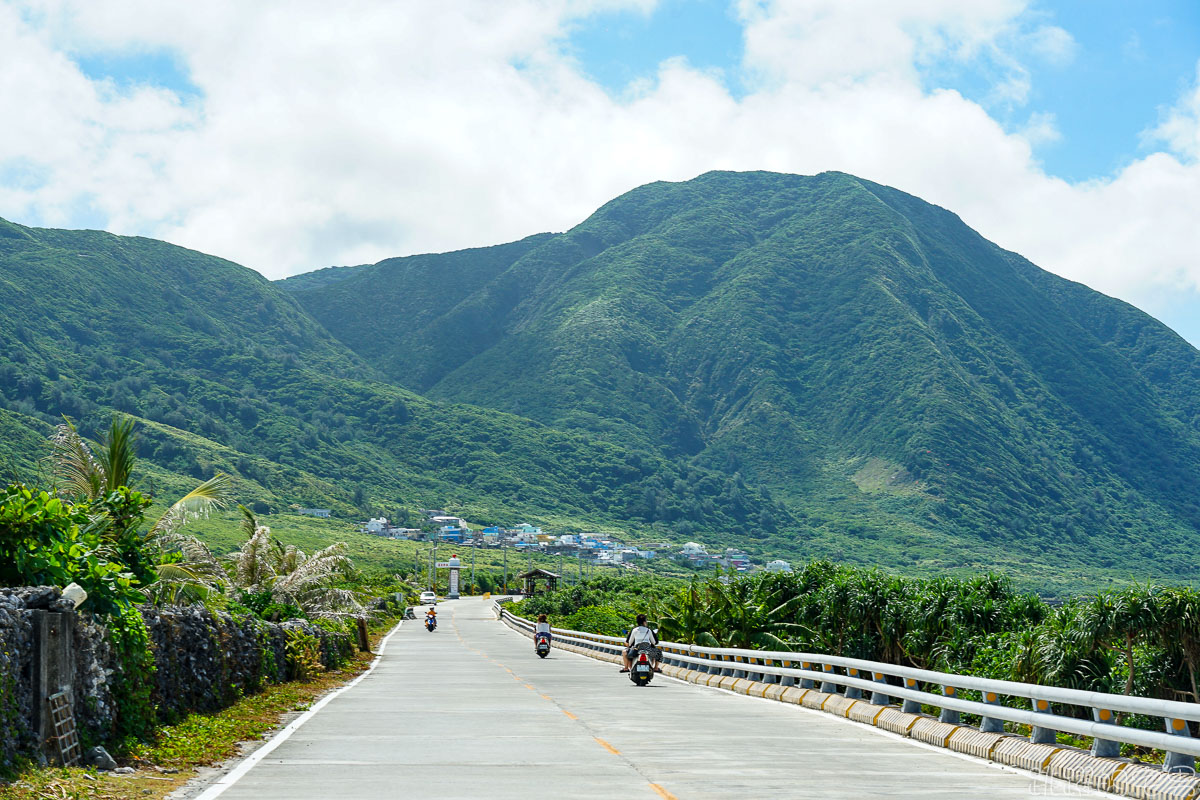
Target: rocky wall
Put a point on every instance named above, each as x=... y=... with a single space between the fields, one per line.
x=203 y=660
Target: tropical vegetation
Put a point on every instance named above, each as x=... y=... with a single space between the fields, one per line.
x=1140 y=640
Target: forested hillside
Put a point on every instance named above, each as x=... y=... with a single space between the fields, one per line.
x=803 y=366
x=909 y=392
x=226 y=371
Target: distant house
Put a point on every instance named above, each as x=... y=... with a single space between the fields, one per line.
x=778 y=566
x=693 y=549
x=452 y=533
x=314 y=512
x=377 y=526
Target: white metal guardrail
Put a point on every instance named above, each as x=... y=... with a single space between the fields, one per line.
x=881 y=682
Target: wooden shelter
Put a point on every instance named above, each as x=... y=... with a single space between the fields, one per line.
x=532 y=577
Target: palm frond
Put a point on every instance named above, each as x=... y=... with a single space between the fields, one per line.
x=253 y=564
x=75 y=469
x=119 y=453
x=197 y=504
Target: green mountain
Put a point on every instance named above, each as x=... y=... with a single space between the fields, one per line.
x=227 y=371
x=907 y=392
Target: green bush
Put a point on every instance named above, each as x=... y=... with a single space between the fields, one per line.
x=45 y=541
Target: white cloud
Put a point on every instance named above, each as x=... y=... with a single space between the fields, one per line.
x=342 y=135
x=1180 y=128
x=1053 y=44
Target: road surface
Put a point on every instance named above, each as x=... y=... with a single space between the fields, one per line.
x=470 y=712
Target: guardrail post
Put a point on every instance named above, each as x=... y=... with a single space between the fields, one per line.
x=911 y=706
x=752 y=675
x=786 y=680
x=727 y=671
x=1041 y=735
x=878 y=697
x=807 y=683
x=1179 y=762
x=828 y=686
x=853 y=692
x=991 y=724
x=739 y=673
x=1105 y=748
x=949 y=714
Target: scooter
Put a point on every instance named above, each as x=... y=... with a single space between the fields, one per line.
x=541 y=645
x=430 y=623
x=642 y=671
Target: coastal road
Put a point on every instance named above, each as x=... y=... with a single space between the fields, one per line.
x=470 y=712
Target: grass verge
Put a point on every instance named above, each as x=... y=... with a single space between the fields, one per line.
x=173 y=758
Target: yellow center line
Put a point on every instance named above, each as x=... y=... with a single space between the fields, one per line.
x=527 y=686
x=663 y=793
x=548 y=697
x=607 y=746
x=569 y=714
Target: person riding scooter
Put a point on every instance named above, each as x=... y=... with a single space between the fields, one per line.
x=641 y=635
x=431 y=619
x=542 y=629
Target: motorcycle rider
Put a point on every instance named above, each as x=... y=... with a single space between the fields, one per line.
x=543 y=628
x=431 y=614
x=642 y=634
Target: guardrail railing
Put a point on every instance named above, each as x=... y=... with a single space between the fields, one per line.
x=859 y=679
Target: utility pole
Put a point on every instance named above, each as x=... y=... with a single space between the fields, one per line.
x=504 y=549
x=473 y=549
x=579 y=555
x=433 y=567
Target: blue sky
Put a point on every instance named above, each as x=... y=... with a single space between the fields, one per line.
x=1132 y=59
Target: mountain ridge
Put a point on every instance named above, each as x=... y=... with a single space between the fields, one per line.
x=850 y=321
x=799 y=365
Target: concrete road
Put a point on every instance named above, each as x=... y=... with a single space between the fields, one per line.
x=469 y=711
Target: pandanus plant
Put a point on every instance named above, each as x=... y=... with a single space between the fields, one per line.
x=264 y=564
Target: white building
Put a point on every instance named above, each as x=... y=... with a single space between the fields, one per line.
x=778 y=566
x=693 y=549
x=314 y=512
x=376 y=526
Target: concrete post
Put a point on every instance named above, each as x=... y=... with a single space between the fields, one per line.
x=949 y=715
x=1179 y=762
x=1042 y=735
x=53 y=671
x=991 y=724
x=740 y=673
x=828 y=686
x=360 y=628
x=879 y=697
x=750 y=673
x=911 y=706
x=726 y=670
x=806 y=683
x=853 y=693
x=786 y=680
x=1105 y=748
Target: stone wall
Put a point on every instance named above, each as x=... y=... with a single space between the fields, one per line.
x=203 y=661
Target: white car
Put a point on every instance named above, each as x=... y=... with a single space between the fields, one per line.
x=428 y=599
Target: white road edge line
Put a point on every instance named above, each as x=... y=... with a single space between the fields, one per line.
x=234 y=775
